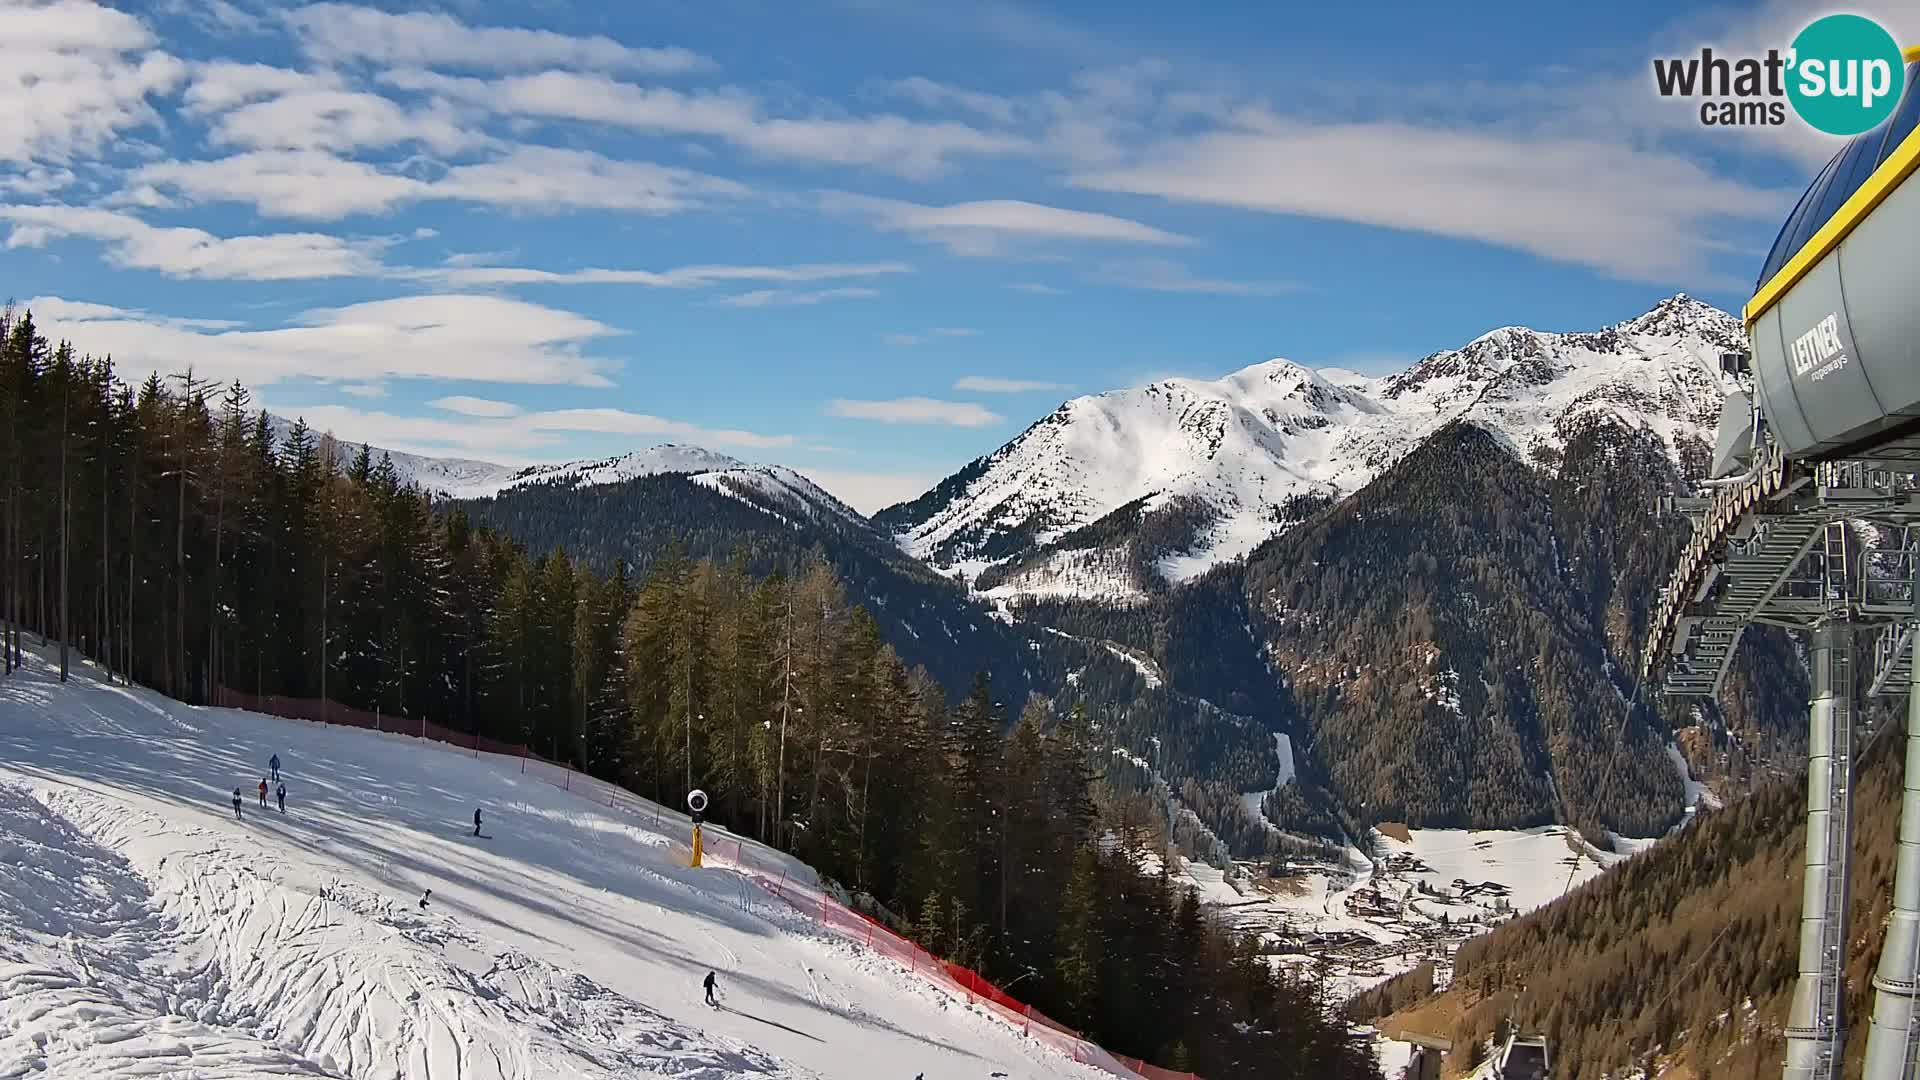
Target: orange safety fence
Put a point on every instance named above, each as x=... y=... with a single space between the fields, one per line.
x=805 y=897
x=820 y=906
x=324 y=711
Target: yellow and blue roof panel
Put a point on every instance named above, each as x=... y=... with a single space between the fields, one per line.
x=1856 y=180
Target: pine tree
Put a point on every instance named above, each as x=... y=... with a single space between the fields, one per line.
x=1080 y=944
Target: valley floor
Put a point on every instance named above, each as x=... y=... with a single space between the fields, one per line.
x=1360 y=924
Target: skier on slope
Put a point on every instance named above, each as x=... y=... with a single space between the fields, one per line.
x=236 y=803
x=423 y=899
x=274 y=764
x=263 y=793
x=281 y=791
x=476 y=821
x=710 y=988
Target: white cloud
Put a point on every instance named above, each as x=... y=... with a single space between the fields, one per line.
x=73 y=75
x=621 y=422
x=296 y=184
x=929 y=94
x=219 y=85
x=983 y=227
x=894 y=143
x=218 y=16
x=1633 y=213
x=993 y=384
x=915 y=410
x=365 y=390
x=476 y=406
x=684 y=277
x=871 y=491
x=141 y=195
x=794 y=297
x=1162 y=275
x=516 y=439
x=936 y=332
x=193 y=253
x=540 y=177
x=37 y=180
x=266 y=108
x=51 y=309
x=345 y=32
x=471 y=338
x=1035 y=288
x=319 y=186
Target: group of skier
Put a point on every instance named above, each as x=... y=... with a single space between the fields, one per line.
x=273 y=765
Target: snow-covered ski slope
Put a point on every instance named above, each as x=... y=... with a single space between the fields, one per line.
x=144 y=931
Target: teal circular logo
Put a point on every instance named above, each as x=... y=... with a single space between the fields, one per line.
x=1845 y=74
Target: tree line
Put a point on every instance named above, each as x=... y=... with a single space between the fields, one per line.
x=1682 y=958
x=187 y=542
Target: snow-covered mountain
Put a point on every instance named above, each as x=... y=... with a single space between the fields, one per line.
x=772 y=487
x=1206 y=471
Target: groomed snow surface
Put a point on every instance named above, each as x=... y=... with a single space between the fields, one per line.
x=144 y=931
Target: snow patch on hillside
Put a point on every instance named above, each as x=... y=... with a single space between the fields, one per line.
x=1071 y=574
x=1698 y=795
x=1148 y=673
x=1283 y=756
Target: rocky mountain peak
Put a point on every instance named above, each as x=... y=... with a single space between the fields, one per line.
x=1681 y=315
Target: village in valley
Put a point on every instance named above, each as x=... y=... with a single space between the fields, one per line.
x=1412 y=897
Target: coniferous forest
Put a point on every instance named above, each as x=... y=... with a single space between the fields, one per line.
x=173 y=534
x=1681 y=958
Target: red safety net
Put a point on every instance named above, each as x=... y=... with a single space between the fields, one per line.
x=810 y=900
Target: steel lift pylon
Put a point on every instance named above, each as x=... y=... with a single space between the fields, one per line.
x=1831 y=550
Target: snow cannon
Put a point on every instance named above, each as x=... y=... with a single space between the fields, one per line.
x=697 y=808
x=1810 y=521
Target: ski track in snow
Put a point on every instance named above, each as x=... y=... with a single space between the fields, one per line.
x=144 y=931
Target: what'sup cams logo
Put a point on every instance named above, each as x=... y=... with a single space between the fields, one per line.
x=1843 y=75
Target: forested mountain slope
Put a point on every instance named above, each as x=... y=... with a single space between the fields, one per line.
x=1443 y=645
x=1456 y=635
x=929 y=619
x=1684 y=954
x=165 y=538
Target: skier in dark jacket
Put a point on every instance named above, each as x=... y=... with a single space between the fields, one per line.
x=274 y=764
x=236 y=803
x=263 y=793
x=709 y=986
x=281 y=792
x=476 y=821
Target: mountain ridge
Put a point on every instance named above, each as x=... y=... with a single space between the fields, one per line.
x=1245 y=444
x=1223 y=478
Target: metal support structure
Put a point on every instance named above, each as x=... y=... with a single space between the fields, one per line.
x=1893 y=1043
x=1816 y=1024
x=1751 y=560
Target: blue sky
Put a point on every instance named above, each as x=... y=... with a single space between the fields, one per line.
x=871 y=239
